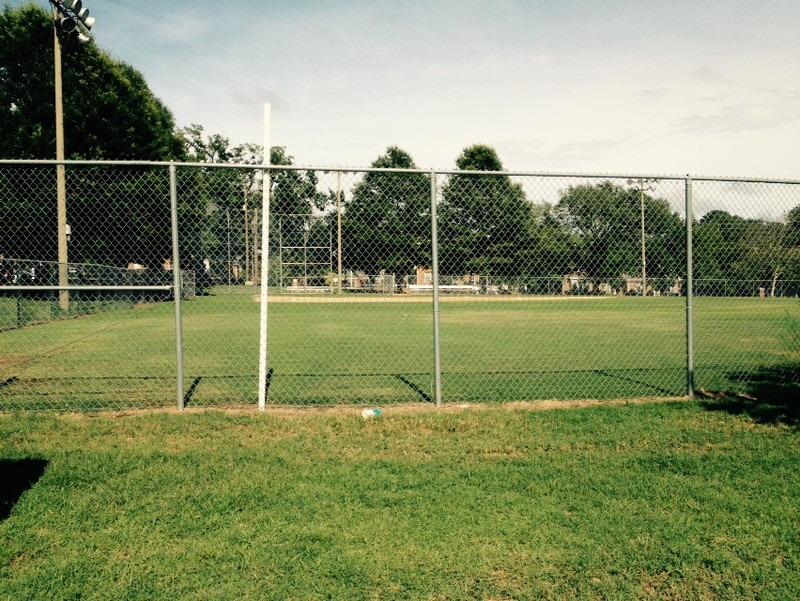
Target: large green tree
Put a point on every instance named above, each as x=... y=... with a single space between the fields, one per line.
x=548 y=252
x=718 y=252
x=109 y=111
x=485 y=219
x=770 y=255
x=232 y=200
x=605 y=222
x=118 y=215
x=734 y=255
x=386 y=222
x=793 y=244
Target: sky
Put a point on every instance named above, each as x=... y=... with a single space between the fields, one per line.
x=667 y=87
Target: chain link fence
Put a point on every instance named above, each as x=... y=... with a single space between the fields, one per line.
x=388 y=286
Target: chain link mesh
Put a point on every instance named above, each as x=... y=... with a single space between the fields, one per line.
x=566 y=256
x=747 y=280
x=107 y=342
x=549 y=287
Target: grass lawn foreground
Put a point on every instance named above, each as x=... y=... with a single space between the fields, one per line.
x=664 y=500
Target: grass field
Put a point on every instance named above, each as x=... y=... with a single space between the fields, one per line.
x=659 y=501
x=324 y=353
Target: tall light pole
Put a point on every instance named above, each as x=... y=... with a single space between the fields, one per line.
x=69 y=19
x=61 y=178
x=644 y=184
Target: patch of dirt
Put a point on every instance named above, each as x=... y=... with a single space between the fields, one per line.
x=387 y=411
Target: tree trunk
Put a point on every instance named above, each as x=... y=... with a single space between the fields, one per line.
x=774 y=282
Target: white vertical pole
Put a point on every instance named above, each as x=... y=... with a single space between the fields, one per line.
x=689 y=290
x=262 y=355
x=339 y=230
x=437 y=329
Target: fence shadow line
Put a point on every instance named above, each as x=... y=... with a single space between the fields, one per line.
x=9 y=381
x=663 y=391
x=425 y=396
x=187 y=398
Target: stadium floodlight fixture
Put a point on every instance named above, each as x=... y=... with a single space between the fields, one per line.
x=72 y=19
x=74 y=5
x=87 y=22
x=67 y=24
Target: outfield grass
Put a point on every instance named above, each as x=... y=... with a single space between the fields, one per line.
x=660 y=501
x=353 y=352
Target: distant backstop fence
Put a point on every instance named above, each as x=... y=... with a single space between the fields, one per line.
x=387 y=286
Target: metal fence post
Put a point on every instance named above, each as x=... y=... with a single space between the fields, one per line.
x=689 y=292
x=176 y=284
x=437 y=343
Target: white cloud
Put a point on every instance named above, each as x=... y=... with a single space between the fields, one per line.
x=572 y=156
x=743 y=117
x=179 y=28
x=255 y=95
x=707 y=76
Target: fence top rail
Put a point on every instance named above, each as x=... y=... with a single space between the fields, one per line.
x=84 y=288
x=542 y=174
x=55 y=263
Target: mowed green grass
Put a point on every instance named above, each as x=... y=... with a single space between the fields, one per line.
x=381 y=352
x=659 y=501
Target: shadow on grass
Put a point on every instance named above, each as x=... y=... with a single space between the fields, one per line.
x=424 y=395
x=771 y=396
x=187 y=397
x=16 y=477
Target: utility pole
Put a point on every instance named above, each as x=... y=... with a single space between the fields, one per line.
x=644 y=184
x=70 y=19
x=61 y=176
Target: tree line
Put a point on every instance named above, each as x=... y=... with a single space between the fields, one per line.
x=490 y=226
